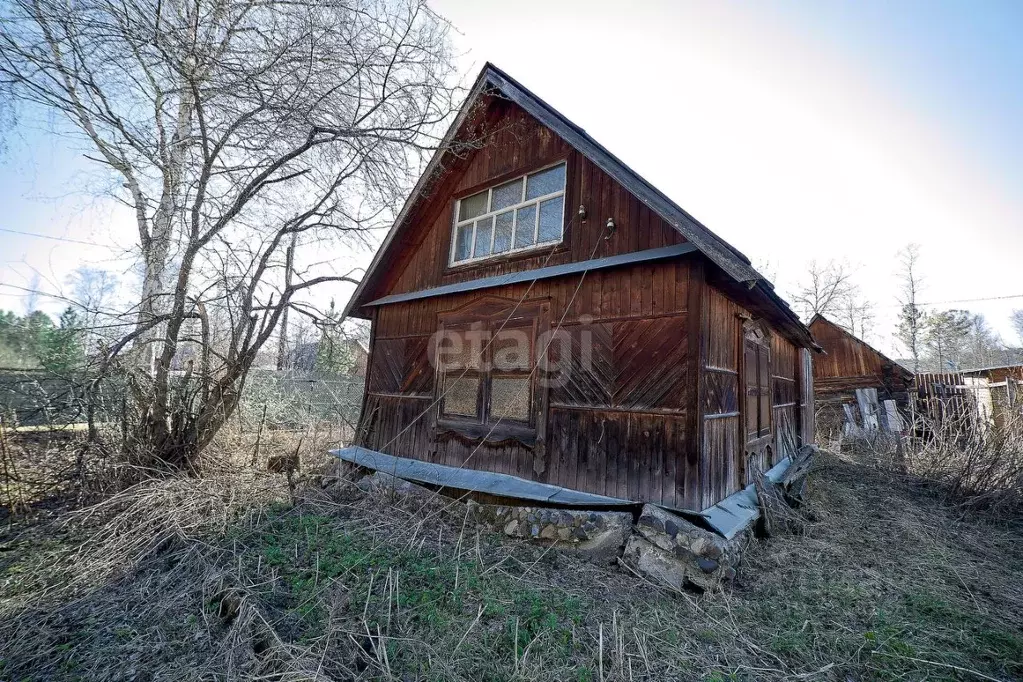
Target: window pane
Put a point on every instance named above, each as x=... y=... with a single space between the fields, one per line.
x=503 y=234
x=460 y=395
x=550 y=220
x=463 y=242
x=525 y=224
x=546 y=182
x=459 y=349
x=473 y=206
x=484 y=231
x=507 y=195
x=511 y=349
x=509 y=398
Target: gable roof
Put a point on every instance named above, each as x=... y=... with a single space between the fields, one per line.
x=906 y=373
x=980 y=370
x=729 y=259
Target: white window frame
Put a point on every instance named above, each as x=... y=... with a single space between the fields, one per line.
x=492 y=216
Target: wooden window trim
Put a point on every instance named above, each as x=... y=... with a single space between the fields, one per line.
x=502 y=318
x=512 y=252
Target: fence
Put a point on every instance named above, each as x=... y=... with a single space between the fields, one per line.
x=941 y=397
x=287 y=399
x=293 y=398
x=38 y=398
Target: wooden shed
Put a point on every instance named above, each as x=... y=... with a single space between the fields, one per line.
x=997 y=391
x=548 y=325
x=850 y=364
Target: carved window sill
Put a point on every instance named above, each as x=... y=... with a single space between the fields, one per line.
x=474 y=432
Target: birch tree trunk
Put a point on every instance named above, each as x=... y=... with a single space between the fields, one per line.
x=234 y=129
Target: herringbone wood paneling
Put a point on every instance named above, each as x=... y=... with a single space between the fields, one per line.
x=631 y=365
x=401 y=366
x=650 y=363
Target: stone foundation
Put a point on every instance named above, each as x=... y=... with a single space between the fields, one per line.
x=671 y=550
x=597 y=536
x=663 y=547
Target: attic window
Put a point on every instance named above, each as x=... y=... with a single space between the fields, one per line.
x=523 y=214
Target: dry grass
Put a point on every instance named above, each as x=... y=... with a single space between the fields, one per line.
x=976 y=470
x=224 y=578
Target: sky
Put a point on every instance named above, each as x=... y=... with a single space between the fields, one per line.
x=794 y=130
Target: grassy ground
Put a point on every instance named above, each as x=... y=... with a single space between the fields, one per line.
x=228 y=579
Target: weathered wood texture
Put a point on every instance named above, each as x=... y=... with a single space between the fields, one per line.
x=998 y=392
x=849 y=363
x=617 y=374
x=807 y=398
x=942 y=397
x=725 y=463
x=515 y=144
x=785 y=397
x=642 y=398
x=722 y=455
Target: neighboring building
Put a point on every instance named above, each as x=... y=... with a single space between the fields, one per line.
x=998 y=392
x=850 y=364
x=354 y=351
x=673 y=371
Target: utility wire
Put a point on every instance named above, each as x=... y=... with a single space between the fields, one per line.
x=46 y=236
x=963 y=300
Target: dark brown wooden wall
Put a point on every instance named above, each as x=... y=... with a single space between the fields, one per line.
x=618 y=428
x=519 y=144
x=622 y=427
x=722 y=448
x=722 y=456
x=656 y=415
x=785 y=394
x=848 y=364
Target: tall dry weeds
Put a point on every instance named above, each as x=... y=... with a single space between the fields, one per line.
x=967 y=466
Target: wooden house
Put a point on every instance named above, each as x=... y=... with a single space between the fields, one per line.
x=850 y=364
x=548 y=325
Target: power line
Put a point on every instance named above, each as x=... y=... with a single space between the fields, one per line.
x=975 y=300
x=960 y=300
x=46 y=236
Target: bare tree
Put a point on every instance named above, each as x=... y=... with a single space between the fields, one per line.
x=282 y=335
x=984 y=347
x=825 y=289
x=856 y=314
x=912 y=321
x=231 y=127
x=94 y=296
x=1017 y=323
x=32 y=293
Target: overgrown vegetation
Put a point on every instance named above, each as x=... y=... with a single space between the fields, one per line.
x=225 y=578
x=966 y=466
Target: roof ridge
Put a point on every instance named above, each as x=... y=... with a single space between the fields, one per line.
x=729 y=259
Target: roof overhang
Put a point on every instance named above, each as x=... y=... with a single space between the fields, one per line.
x=549 y=272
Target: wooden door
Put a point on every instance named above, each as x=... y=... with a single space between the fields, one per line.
x=757 y=390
